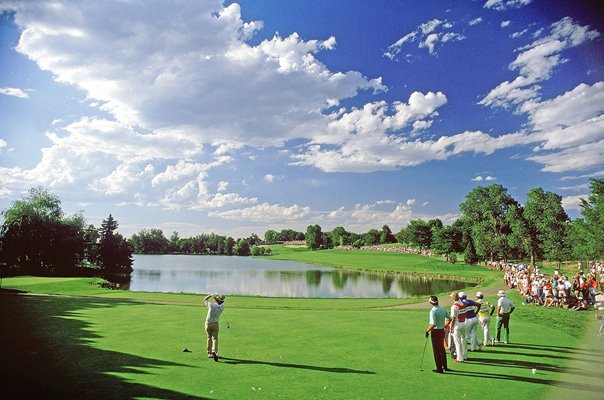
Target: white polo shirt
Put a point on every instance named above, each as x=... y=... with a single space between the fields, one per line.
x=505 y=304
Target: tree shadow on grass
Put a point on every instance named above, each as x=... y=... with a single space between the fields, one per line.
x=46 y=353
x=299 y=366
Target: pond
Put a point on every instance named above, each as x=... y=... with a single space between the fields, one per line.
x=274 y=278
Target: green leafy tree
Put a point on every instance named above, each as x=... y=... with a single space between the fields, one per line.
x=435 y=224
x=149 y=241
x=401 y=236
x=36 y=238
x=386 y=235
x=314 y=237
x=371 y=238
x=115 y=253
x=447 y=240
x=327 y=240
x=587 y=232
x=270 y=235
x=229 y=245
x=253 y=239
x=547 y=226
x=485 y=210
x=91 y=240
x=518 y=241
x=339 y=236
x=242 y=248
x=174 y=243
x=419 y=233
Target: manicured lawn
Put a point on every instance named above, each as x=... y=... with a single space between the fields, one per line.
x=378 y=261
x=99 y=343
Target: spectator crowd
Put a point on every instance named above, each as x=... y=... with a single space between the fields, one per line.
x=577 y=292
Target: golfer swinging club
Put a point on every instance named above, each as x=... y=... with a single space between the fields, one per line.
x=215 y=309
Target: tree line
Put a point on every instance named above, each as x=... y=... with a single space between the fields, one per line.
x=153 y=241
x=494 y=226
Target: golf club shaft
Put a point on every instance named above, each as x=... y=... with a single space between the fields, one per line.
x=225 y=320
x=423 y=353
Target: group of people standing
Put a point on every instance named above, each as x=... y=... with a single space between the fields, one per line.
x=557 y=290
x=461 y=325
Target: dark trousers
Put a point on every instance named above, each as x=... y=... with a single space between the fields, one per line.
x=438 y=348
x=504 y=321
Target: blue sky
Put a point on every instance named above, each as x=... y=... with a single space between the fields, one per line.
x=233 y=118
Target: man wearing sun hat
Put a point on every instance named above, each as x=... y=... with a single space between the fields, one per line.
x=215 y=309
x=505 y=307
x=438 y=318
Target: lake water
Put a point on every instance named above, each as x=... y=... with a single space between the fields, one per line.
x=273 y=278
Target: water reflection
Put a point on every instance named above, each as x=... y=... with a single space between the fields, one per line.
x=274 y=278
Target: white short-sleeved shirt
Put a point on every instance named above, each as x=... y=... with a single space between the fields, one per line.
x=505 y=304
x=214 y=311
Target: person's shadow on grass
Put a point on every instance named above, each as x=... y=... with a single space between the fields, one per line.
x=338 y=370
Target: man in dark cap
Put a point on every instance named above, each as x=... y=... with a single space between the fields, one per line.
x=438 y=318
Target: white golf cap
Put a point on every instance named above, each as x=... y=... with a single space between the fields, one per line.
x=462 y=295
x=479 y=294
x=556 y=272
x=501 y=293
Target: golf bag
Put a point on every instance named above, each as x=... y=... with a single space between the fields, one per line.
x=450 y=345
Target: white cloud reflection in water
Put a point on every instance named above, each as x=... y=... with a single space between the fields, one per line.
x=273 y=278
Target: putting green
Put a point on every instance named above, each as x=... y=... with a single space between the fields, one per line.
x=91 y=342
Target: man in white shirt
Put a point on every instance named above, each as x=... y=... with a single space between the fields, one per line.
x=505 y=307
x=215 y=309
x=457 y=326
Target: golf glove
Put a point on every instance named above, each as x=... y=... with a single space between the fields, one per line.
x=427 y=334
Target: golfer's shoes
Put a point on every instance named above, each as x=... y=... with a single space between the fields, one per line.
x=492 y=342
x=215 y=356
x=210 y=355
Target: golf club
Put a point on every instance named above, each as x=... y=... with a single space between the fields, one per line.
x=423 y=354
x=225 y=320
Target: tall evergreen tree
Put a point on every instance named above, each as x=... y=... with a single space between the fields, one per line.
x=115 y=254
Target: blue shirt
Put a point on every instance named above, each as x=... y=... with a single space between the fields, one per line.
x=438 y=316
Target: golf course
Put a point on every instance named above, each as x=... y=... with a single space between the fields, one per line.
x=72 y=338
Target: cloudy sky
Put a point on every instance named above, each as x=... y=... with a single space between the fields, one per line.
x=207 y=116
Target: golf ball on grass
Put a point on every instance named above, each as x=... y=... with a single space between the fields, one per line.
x=534 y=370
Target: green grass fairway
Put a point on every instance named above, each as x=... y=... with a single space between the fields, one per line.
x=382 y=261
x=94 y=343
